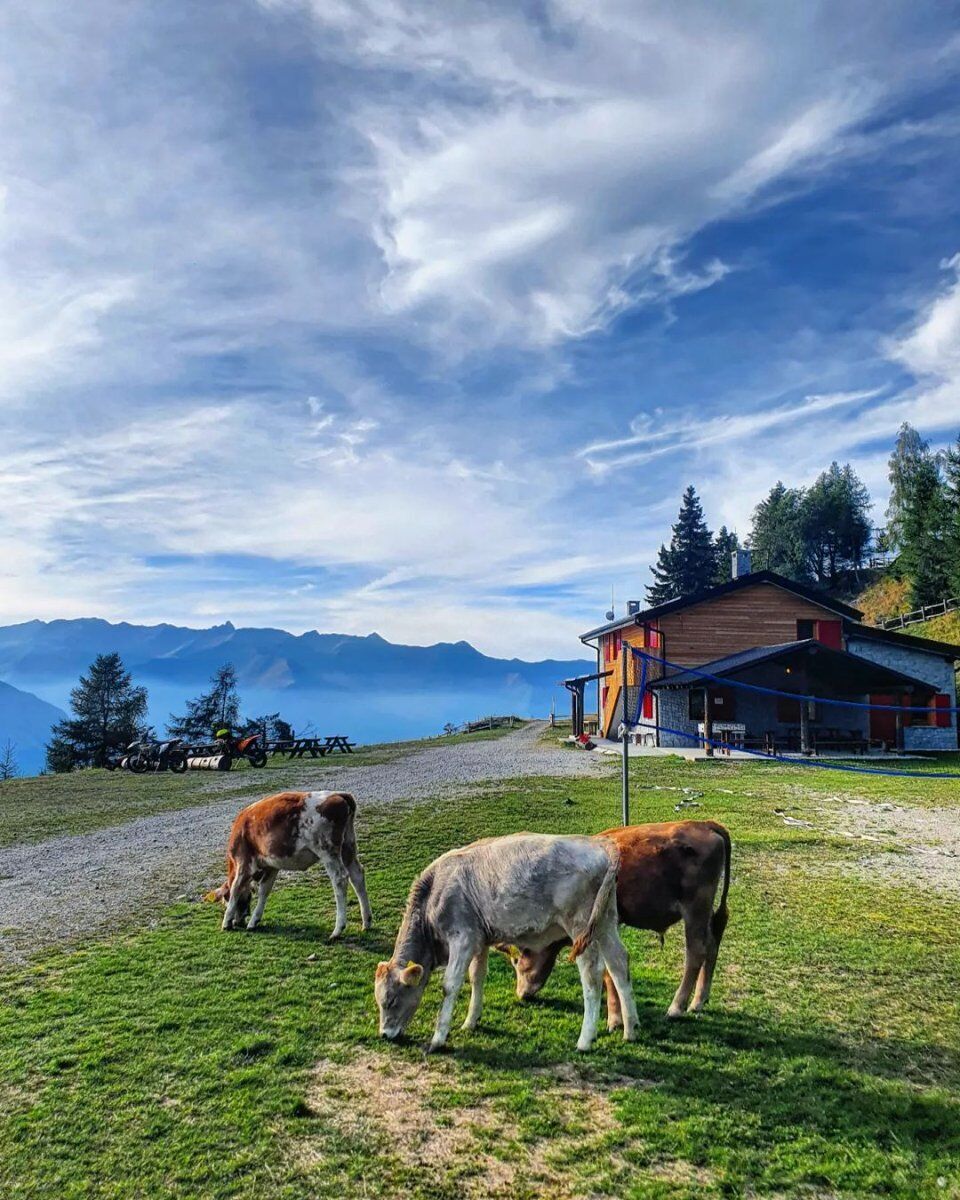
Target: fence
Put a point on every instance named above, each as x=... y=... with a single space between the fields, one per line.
x=921 y=614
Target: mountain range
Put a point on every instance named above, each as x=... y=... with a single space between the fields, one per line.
x=370 y=688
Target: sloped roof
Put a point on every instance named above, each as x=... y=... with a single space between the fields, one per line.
x=864 y=670
x=734 y=585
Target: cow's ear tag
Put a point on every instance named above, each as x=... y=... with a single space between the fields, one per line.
x=412 y=974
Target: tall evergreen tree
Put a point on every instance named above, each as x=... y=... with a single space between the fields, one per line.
x=777 y=536
x=724 y=545
x=919 y=517
x=836 y=528
x=108 y=713
x=215 y=709
x=951 y=472
x=688 y=564
x=909 y=470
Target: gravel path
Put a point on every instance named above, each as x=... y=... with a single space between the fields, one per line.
x=67 y=887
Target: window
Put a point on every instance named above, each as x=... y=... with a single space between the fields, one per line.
x=805 y=630
x=695 y=700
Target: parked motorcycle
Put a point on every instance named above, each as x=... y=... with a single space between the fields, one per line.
x=156 y=756
x=250 y=747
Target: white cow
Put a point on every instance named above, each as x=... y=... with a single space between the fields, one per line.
x=529 y=889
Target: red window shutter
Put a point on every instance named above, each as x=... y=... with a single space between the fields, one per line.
x=648 y=706
x=829 y=633
x=942 y=717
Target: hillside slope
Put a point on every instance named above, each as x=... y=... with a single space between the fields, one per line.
x=25 y=720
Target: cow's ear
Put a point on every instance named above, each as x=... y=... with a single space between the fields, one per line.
x=411 y=974
x=383 y=968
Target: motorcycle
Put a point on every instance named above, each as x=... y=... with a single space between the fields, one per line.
x=141 y=757
x=250 y=748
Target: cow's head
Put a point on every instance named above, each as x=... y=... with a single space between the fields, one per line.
x=398 y=991
x=531 y=967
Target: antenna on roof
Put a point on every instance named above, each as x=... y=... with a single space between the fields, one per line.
x=611 y=615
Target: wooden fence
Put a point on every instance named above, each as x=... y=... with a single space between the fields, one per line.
x=921 y=614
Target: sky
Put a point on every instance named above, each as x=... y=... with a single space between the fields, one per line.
x=371 y=315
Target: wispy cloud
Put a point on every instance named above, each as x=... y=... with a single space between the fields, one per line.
x=358 y=290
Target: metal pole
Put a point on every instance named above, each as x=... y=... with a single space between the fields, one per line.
x=626 y=752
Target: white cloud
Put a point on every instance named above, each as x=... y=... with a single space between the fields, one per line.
x=532 y=182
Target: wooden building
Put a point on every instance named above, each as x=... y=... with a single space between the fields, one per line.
x=765 y=630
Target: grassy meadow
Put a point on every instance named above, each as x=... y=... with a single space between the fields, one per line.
x=178 y=1061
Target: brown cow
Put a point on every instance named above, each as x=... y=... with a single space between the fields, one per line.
x=290 y=832
x=667 y=872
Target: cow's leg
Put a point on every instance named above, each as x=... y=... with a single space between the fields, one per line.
x=614 y=1015
x=478 y=973
x=702 y=993
x=358 y=883
x=239 y=895
x=461 y=955
x=590 y=965
x=695 y=957
x=617 y=961
x=338 y=878
x=267 y=880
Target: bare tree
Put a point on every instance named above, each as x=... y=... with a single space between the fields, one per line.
x=9 y=767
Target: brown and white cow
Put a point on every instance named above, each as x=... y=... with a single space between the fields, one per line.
x=290 y=832
x=667 y=873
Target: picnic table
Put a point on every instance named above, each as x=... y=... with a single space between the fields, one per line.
x=315 y=747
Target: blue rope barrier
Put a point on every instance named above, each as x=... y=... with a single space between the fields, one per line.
x=643 y=689
x=805 y=762
x=768 y=691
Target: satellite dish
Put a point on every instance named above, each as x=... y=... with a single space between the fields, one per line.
x=611 y=615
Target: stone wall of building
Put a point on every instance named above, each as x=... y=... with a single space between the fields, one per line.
x=932 y=669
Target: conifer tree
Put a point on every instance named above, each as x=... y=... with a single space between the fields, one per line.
x=218 y=708
x=688 y=564
x=108 y=714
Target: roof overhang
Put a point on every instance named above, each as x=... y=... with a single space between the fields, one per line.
x=805 y=667
x=908 y=641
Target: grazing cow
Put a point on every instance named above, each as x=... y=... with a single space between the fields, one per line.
x=667 y=872
x=531 y=887
x=290 y=832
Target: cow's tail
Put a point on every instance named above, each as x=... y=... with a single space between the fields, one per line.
x=718 y=922
x=601 y=901
x=222 y=893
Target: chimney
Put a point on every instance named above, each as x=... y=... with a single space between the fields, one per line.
x=633 y=607
x=740 y=563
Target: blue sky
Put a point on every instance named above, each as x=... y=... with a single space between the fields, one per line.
x=416 y=318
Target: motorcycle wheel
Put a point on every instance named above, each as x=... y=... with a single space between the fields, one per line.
x=138 y=764
x=258 y=758
x=177 y=761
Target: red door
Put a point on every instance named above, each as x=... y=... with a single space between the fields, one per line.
x=883 y=724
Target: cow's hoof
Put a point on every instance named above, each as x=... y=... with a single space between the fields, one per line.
x=674 y=1013
x=613 y=1026
x=335 y=936
x=434 y=1047
x=584 y=1047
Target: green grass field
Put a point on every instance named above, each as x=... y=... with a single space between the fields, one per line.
x=177 y=1061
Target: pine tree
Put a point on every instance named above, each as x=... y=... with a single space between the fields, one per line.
x=108 y=713
x=951 y=473
x=219 y=708
x=920 y=516
x=688 y=565
x=836 y=531
x=724 y=544
x=9 y=767
x=777 y=536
